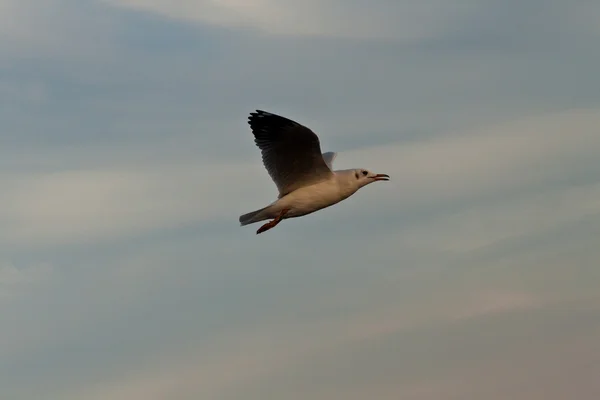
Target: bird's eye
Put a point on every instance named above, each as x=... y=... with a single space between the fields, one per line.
x=365 y=173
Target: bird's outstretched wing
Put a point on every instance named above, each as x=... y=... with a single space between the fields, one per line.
x=291 y=152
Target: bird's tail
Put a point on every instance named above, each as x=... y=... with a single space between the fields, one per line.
x=252 y=217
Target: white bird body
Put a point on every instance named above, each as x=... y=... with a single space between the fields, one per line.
x=305 y=179
x=309 y=199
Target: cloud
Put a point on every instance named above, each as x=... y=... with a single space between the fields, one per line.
x=88 y=205
x=485 y=184
x=481 y=226
x=29 y=93
x=31 y=29
x=109 y=202
x=126 y=160
x=15 y=280
x=236 y=360
x=18 y=20
x=400 y=20
x=250 y=362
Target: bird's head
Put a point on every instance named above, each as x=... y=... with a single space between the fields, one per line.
x=363 y=177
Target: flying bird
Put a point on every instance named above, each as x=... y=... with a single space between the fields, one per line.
x=291 y=154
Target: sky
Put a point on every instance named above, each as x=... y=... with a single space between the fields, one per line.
x=126 y=160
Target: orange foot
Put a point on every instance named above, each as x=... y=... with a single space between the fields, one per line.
x=273 y=223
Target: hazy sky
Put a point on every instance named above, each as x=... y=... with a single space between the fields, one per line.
x=126 y=159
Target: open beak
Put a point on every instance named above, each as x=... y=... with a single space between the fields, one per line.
x=381 y=177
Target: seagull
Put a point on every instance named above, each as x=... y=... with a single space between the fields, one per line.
x=291 y=154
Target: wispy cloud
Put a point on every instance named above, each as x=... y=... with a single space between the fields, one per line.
x=126 y=159
x=398 y=20
x=72 y=206
x=13 y=278
x=100 y=203
x=242 y=359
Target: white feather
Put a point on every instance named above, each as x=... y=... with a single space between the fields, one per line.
x=329 y=157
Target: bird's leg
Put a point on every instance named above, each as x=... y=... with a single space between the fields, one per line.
x=273 y=223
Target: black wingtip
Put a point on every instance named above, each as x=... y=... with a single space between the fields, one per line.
x=260 y=113
x=261 y=119
x=256 y=114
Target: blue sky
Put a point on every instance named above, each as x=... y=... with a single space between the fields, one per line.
x=126 y=160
